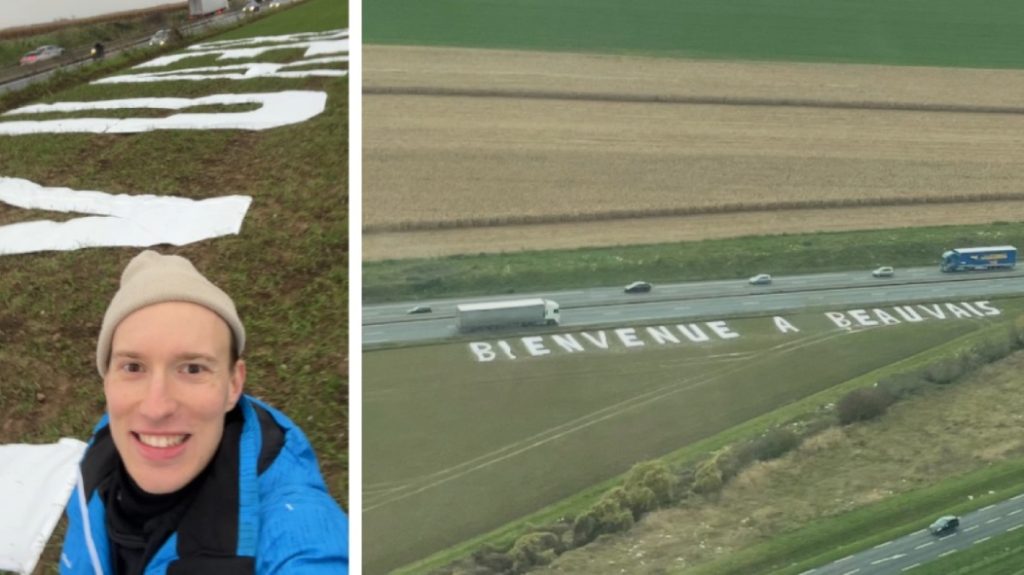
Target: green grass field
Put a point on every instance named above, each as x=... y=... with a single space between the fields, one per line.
x=961 y=33
x=481 y=444
x=286 y=270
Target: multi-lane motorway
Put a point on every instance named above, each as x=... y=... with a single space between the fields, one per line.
x=22 y=81
x=391 y=324
x=905 y=554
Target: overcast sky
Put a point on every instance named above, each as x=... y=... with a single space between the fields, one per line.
x=25 y=12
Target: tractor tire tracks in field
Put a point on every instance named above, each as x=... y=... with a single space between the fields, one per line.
x=378 y=495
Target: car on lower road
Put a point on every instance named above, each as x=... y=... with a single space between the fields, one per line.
x=884 y=272
x=761 y=280
x=41 y=53
x=638 y=287
x=161 y=37
x=419 y=309
x=944 y=525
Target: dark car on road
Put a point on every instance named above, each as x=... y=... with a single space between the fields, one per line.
x=419 y=309
x=944 y=525
x=638 y=287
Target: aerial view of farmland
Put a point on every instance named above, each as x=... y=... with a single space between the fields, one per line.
x=656 y=287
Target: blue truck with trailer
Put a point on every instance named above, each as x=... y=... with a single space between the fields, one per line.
x=991 y=258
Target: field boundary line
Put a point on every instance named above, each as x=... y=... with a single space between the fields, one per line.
x=680 y=100
x=683 y=211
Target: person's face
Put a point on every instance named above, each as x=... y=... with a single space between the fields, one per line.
x=168 y=385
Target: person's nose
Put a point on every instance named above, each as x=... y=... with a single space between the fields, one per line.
x=158 y=402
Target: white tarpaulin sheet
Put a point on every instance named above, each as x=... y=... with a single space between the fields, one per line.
x=339 y=34
x=35 y=483
x=313 y=48
x=276 y=109
x=235 y=72
x=120 y=220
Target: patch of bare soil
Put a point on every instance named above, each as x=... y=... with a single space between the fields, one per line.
x=979 y=422
x=471 y=144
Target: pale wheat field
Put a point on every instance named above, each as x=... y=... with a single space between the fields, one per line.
x=474 y=150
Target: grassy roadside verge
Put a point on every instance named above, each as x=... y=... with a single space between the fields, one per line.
x=81 y=35
x=734 y=258
x=504 y=535
x=109 y=66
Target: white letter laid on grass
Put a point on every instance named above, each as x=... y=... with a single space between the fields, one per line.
x=247 y=71
x=339 y=34
x=276 y=109
x=312 y=48
x=35 y=483
x=119 y=220
x=782 y=324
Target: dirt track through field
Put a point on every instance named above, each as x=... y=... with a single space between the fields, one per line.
x=492 y=151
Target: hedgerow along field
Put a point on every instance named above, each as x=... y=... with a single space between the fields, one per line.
x=951 y=448
x=484 y=444
x=286 y=270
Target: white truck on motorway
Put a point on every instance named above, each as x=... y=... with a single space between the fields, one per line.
x=200 y=8
x=508 y=313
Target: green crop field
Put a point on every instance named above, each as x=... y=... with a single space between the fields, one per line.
x=455 y=447
x=286 y=269
x=961 y=33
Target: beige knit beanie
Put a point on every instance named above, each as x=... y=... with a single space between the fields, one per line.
x=152 y=278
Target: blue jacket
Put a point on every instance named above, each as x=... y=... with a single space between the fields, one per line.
x=279 y=520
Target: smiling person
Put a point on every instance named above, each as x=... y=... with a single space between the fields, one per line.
x=186 y=474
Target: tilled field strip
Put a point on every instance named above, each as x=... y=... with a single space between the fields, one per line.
x=817 y=136
x=400 y=67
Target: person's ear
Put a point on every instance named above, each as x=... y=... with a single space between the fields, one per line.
x=236 y=385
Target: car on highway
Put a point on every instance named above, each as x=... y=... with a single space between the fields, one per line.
x=638 y=287
x=276 y=3
x=884 y=272
x=945 y=524
x=419 y=309
x=41 y=53
x=761 y=280
x=251 y=6
x=161 y=37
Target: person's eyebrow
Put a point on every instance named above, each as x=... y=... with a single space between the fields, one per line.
x=193 y=356
x=126 y=354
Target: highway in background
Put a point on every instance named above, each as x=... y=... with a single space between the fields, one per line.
x=30 y=77
x=905 y=554
x=386 y=324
